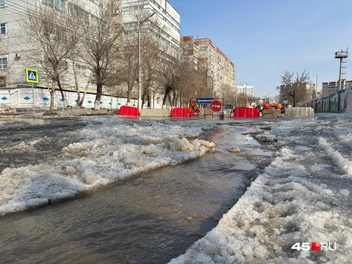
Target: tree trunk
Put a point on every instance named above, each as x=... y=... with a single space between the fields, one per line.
x=61 y=91
x=167 y=95
x=52 y=100
x=98 y=96
x=76 y=83
x=149 y=101
x=128 y=95
x=85 y=91
x=164 y=99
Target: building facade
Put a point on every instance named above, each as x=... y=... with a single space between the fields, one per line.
x=293 y=95
x=159 y=17
x=246 y=89
x=332 y=87
x=221 y=72
x=154 y=20
x=15 y=52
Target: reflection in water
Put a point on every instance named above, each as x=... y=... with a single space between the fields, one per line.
x=149 y=219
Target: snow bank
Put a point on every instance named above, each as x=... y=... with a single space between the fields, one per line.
x=282 y=207
x=111 y=150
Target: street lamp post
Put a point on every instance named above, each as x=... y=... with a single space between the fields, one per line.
x=140 y=62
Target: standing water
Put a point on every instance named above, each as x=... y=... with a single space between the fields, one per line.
x=150 y=218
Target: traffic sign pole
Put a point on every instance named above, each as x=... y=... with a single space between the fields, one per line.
x=32 y=76
x=33 y=97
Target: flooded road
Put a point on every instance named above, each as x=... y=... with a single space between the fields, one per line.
x=150 y=218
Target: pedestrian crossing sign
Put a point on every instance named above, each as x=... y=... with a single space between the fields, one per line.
x=32 y=75
x=193 y=107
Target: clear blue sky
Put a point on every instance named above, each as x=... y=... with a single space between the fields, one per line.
x=265 y=38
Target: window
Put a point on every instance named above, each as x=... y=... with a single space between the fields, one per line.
x=3 y=28
x=2 y=81
x=57 y=4
x=3 y=63
x=2 y=3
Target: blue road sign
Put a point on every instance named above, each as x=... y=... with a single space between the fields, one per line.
x=204 y=100
x=32 y=75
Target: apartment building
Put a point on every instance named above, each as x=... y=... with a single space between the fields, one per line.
x=156 y=17
x=221 y=72
x=155 y=20
x=332 y=87
x=246 y=89
x=15 y=51
x=190 y=49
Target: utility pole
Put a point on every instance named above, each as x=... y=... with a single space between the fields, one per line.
x=341 y=55
x=140 y=62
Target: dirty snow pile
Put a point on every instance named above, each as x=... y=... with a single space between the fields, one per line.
x=110 y=151
x=303 y=196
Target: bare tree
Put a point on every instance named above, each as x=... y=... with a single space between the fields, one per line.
x=151 y=58
x=241 y=100
x=100 y=47
x=175 y=75
x=294 y=87
x=193 y=85
x=141 y=31
x=229 y=95
x=53 y=40
x=80 y=99
x=128 y=73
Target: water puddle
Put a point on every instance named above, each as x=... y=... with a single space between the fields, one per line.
x=149 y=219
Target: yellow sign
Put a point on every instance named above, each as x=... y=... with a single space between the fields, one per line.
x=193 y=107
x=32 y=75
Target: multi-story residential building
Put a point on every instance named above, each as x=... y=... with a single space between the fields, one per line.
x=164 y=24
x=15 y=53
x=190 y=49
x=246 y=89
x=332 y=87
x=155 y=19
x=221 y=72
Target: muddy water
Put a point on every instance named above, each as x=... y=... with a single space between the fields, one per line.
x=148 y=219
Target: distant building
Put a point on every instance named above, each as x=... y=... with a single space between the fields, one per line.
x=245 y=89
x=332 y=87
x=221 y=71
x=164 y=24
x=189 y=49
x=300 y=96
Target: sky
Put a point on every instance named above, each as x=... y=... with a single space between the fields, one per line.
x=265 y=38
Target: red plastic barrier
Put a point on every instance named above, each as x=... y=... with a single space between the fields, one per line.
x=246 y=112
x=181 y=112
x=128 y=110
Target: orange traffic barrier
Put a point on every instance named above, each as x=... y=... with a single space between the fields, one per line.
x=181 y=112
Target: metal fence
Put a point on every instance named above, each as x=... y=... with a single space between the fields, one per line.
x=40 y=98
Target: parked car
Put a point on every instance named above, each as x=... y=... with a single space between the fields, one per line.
x=229 y=107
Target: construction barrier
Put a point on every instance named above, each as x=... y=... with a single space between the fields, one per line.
x=299 y=112
x=181 y=112
x=128 y=111
x=242 y=112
